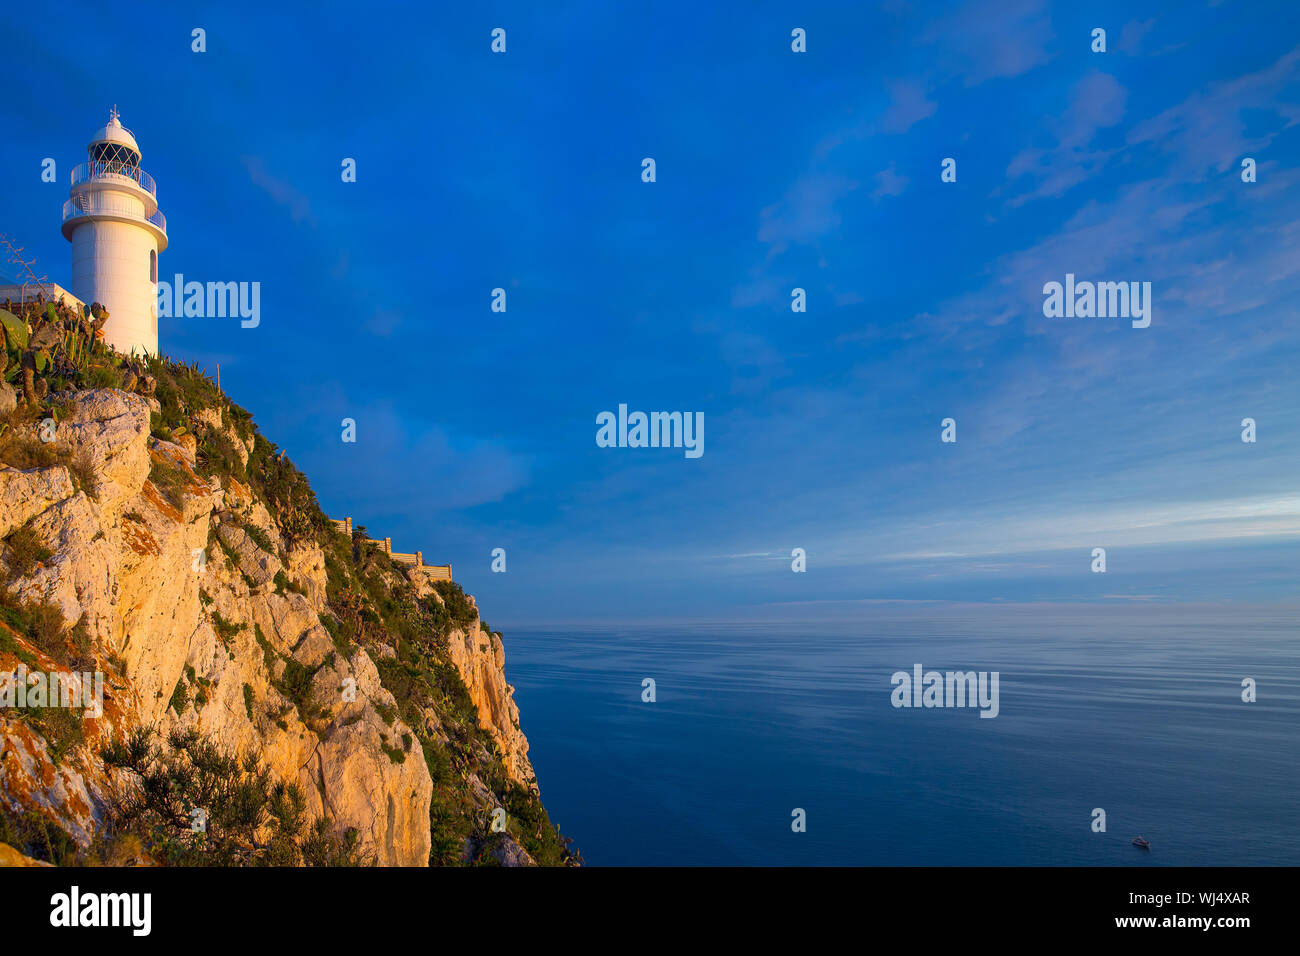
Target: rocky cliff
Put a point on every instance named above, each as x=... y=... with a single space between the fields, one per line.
x=161 y=541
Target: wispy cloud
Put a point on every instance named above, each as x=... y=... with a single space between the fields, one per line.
x=907 y=107
x=1130 y=38
x=980 y=42
x=984 y=534
x=281 y=191
x=1207 y=133
x=807 y=213
x=1096 y=102
x=889 y=182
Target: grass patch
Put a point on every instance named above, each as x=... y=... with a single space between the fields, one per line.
x=395 y=754
x=26 y=452
x=41 y=624
x=171 y=482
x=269 y=654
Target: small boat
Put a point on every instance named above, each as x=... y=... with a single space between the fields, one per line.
x=1144 y=844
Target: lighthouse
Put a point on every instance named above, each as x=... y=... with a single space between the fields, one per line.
x=112 y=220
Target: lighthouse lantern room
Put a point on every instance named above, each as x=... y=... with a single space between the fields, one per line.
x=112 y=219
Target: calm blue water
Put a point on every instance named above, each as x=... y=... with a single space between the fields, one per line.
x=1135 y=711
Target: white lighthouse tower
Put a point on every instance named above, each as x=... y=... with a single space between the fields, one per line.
x=116 y=230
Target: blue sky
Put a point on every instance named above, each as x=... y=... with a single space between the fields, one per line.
x=775 y=170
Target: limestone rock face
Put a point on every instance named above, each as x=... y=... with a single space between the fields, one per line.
x=164 y=606
x=209 y=416
x=481 y=659
x=306 y=570
x=190 y=445
x=112 y=428
x=260 y=566
x=25 y=494
x=510 y=853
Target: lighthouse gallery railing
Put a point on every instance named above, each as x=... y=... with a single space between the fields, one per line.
x=104 y=169
x=108 y=206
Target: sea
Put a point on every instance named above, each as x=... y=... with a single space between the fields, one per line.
x=757 y=728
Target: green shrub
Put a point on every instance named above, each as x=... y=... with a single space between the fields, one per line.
x=37 y=837
x=82 y=657
x=60 y=726
x=180 y=697
x=225 y=629
x=260 y=538
x=283 y=583
x=459 y=608
x=24 y=550
x=295 y=683
x=342 y=643
x=217 y=455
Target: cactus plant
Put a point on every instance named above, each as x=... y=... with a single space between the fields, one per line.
x=52 y=341
x=15 y=330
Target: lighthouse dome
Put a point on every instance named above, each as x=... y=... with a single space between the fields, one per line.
x=114 y=141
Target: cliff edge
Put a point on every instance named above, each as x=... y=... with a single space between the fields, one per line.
x=273 y=691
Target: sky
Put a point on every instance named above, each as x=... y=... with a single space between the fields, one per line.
x=775 y=170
